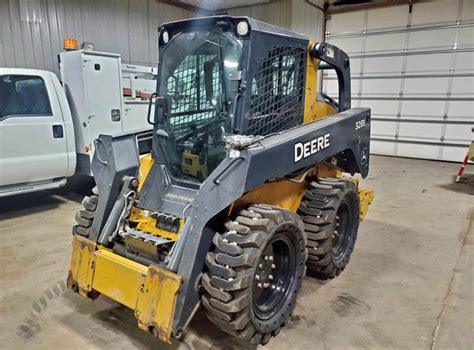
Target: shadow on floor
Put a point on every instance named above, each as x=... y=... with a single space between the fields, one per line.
x=118 y=319
x=465 y=185
x=31 y=203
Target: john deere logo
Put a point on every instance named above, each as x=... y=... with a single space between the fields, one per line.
x=306 y=149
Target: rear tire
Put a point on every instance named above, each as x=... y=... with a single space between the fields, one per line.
x=330 y=212
x=255 y=272
x=85 y=216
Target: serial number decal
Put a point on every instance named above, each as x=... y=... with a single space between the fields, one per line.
x=359 y=124
x=306 y=149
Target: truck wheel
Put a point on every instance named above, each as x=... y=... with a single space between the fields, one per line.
x=330 y=212
x=255 y=272
x=85 y=216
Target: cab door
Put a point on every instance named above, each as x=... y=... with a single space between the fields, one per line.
x=32 y=132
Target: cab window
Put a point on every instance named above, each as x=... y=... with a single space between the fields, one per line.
x=22 y=95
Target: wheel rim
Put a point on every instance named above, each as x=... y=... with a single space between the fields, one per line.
x=274 y=276
x=342 y=234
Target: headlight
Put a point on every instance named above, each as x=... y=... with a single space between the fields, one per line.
x=165 y=36
x=242 y=28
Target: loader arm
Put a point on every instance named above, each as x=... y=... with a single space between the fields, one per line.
x=333 y=57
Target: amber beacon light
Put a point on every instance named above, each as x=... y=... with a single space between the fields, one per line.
x=70 y=44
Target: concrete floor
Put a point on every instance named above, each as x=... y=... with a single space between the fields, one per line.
x=409 y=284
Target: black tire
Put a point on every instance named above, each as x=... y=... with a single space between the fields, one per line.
x=330 y=212
x=85 y=216
x=239 y=295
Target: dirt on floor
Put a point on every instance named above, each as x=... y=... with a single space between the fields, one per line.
x=409 y=284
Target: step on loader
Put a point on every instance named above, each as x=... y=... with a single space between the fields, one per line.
x=244 y=186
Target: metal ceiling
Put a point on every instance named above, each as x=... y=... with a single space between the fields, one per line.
x=210 y=7
x=219 y=5
x=340 y=6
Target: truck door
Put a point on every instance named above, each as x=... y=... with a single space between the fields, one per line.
x=32 y=137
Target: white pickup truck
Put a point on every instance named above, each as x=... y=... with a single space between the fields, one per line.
x=47 y=129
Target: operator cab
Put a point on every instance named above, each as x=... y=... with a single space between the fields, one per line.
x=209 y=72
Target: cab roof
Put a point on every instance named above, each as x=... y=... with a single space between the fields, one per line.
x=255 y=25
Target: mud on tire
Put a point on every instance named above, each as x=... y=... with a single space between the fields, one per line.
x=245 y=292
x=330 y=212
x=85 y=216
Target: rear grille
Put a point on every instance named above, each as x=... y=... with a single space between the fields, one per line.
x=278 y=92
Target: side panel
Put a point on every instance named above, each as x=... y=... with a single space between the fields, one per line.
x=343 y=138
x=135 y=115
x=103 y=93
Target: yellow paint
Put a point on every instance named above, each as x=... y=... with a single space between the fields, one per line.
x=366 y=196
x=311 y=88
x=148 y=290
x=117 y=277
x=146 y=162
x=288 y=195
x=283 y=194
x=323 y=109
x=80 y=274
x=157 y=302
x=313 y=108
x=148 y=224
x=327 y=170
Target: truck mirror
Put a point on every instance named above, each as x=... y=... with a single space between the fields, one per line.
x=151 y=100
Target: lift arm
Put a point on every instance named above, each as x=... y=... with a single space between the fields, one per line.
x=334 y=58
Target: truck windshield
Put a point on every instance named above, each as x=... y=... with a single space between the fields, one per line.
x=194 y=78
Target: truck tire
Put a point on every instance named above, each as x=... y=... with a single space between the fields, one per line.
x=85 y=216
x=330 y=212
x=255 y=272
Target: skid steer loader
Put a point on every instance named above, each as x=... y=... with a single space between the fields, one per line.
x=237 y=192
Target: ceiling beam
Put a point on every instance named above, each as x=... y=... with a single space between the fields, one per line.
x=188 y=7
x=330 y=9
x=312 y=3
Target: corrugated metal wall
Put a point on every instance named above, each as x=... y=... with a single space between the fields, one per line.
x=307 y=19
x=31 y=31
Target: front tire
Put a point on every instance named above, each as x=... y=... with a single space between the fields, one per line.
x=255 y=272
